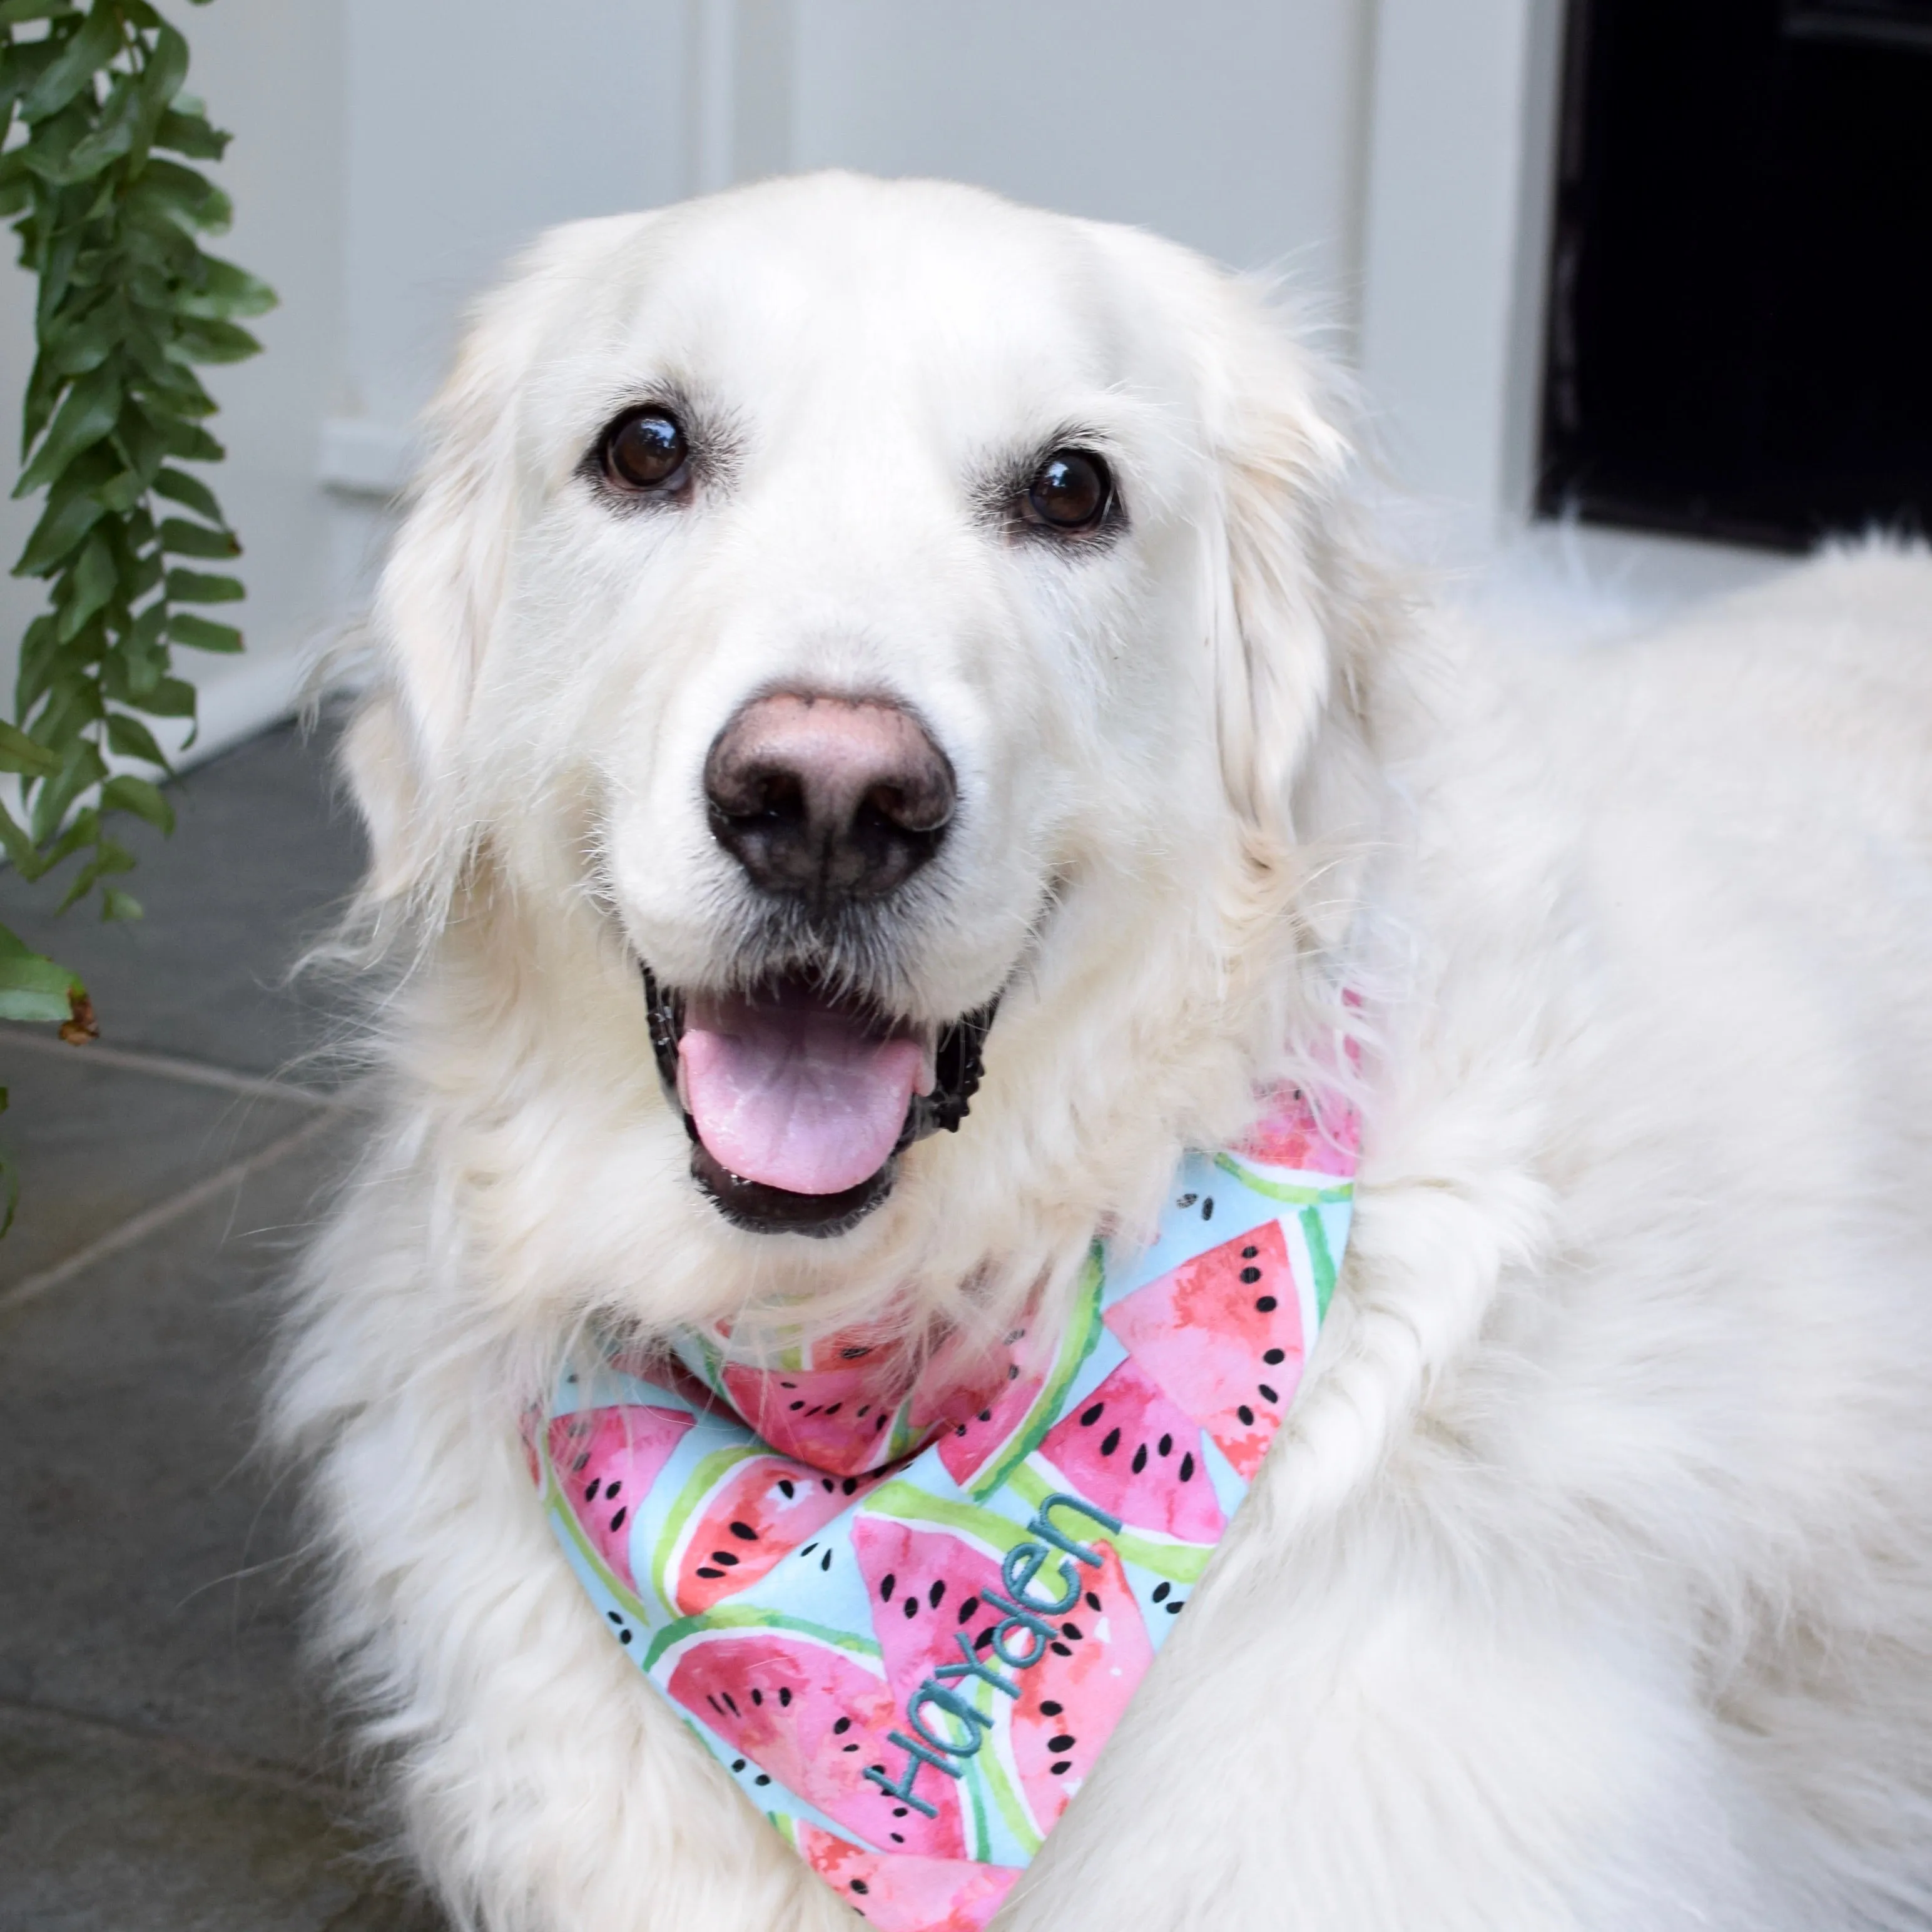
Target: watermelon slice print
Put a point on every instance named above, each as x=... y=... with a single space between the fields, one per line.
x=1221 y=1334
x=1130 y=1450
x=898 y=1894
x=605 y=1460
x=756 y=1513
x=834 y=1418
x=1290 y=1134
x=927 y=1588
x=1071 y=1700
x=811 y=1716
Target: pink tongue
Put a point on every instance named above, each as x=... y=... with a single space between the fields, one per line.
x=796 y=1094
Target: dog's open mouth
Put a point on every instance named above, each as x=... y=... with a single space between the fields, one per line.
x=798 y=1101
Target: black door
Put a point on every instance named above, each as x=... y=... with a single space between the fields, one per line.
x=1739 y=342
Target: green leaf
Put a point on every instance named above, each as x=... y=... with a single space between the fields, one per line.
x=173 y=697
x=97 y=42
x=66 y=521
x=166 y=69
x=188 y=441
x=16 y=13
x=201 y=634
x=197 y=586
x=130 y=739
x=192 y=491
x=189 y=134
x=180 y=538
x=10 y=1183
x=116 y=904
x=34 y=988
x=224 y=290
x=144 y=800
x=88 y=588
x=19 y=848
x=187 y=197
x=80 y=769
x=19 y=753
x=214 y=342
x=88 y=414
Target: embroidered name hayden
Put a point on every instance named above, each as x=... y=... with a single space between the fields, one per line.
x=1025 y=1614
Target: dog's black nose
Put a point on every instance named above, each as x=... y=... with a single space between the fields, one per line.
x=828 y=798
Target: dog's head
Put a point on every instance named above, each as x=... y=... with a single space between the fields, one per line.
x=838 y=621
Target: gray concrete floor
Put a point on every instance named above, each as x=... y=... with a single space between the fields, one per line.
x=162 y=1768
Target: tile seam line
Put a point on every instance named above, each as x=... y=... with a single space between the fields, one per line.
x=210 y=1758
x=173 y=1066
x=152 y=1220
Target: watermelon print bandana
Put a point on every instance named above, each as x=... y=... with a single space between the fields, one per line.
x=907 y=1621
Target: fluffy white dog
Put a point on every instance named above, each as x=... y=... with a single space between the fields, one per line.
x=1589 y=1584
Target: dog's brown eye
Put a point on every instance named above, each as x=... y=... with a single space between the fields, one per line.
x=645 y=450
x=1069 y=491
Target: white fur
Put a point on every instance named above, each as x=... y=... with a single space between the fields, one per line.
x=1590 y=1585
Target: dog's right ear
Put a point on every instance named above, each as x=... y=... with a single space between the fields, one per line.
x=406 y=756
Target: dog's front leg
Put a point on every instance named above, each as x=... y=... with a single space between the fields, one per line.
x=1364 y=1742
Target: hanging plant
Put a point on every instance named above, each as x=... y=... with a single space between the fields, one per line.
x=109 y=220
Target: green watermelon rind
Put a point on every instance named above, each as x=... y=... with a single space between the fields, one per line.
x=1320 y=1260
x=556 y=1506
x=700 y=1484
x=905 y=1502
x=1166 y=1556
x=1292 y=1192
x=738 y=1619
x=1083 y=1334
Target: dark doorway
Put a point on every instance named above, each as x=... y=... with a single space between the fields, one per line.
x=1739 y=342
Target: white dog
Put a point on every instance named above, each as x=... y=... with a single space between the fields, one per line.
x=1590 y=1583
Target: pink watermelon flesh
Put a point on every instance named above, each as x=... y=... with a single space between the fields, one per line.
x=762 y=1511
x=899 y=1894
x=1221 y=1334
x=813 y=1718
x=834 y=1419
x=1129 y=1449
x=1291 y=1135
x=1071 y=1700
x=606 y=1460
x=927 y=1588
x=968 y=1447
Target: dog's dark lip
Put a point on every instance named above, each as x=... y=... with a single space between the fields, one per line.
x=958 y=1064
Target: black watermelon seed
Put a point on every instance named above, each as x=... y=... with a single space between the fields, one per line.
x=784 y=1695
x=843 y=1725
x=761 y=1779
x=614 y=1616
x=1274 y=1355
x=714 y=1703
x=610 y=1489
x=1247 y=1416
x=617 y=1521
x=857 y=1353
x=1061 y=1769
x=785 y=1488
x=797 y=1406
x=1162 y=1592
x=985 y=1415
x=850 y=1747
x=911 y=1605
x=961 y=1430
x=1266 y=1394
x=723 y=1556
x=985 y=1637
x=1140 y=1459
x=899 y=1811
x=788 y=1385
x=808 y=1549
x=1062 y=1743
x=1071 y=1631
x=938 y=1590
x=880 y=1423
x=744 y=1532
x=1187 y=1467
x=1251 y=1276
x=825 y=1561
x=705 y=1570
x=1088 y=1417
x=1013 y=1372
x=966 y=1608
x=1174 y=1609
x=1165 y=1445
x=1264 y=1304
x=1059 y=1650
x=1093 y=1602
x=858 y=1884
x=865 y=1408
x=1110 y=1442
x=1207 y=1209
x=757 y=1697
x=577 y=1468
x=623 y=1636
x=1187 y=1200
x=898 y=1838
x=737 y=1764
x=731 y=1704
x=1249 y=1254
x=833 y=1408
x=1049 y=1708
x=591 y=1488
x=851 y=1484
x=825 y=1483
x=888 y=1583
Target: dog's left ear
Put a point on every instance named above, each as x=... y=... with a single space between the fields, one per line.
x=1286 y=623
